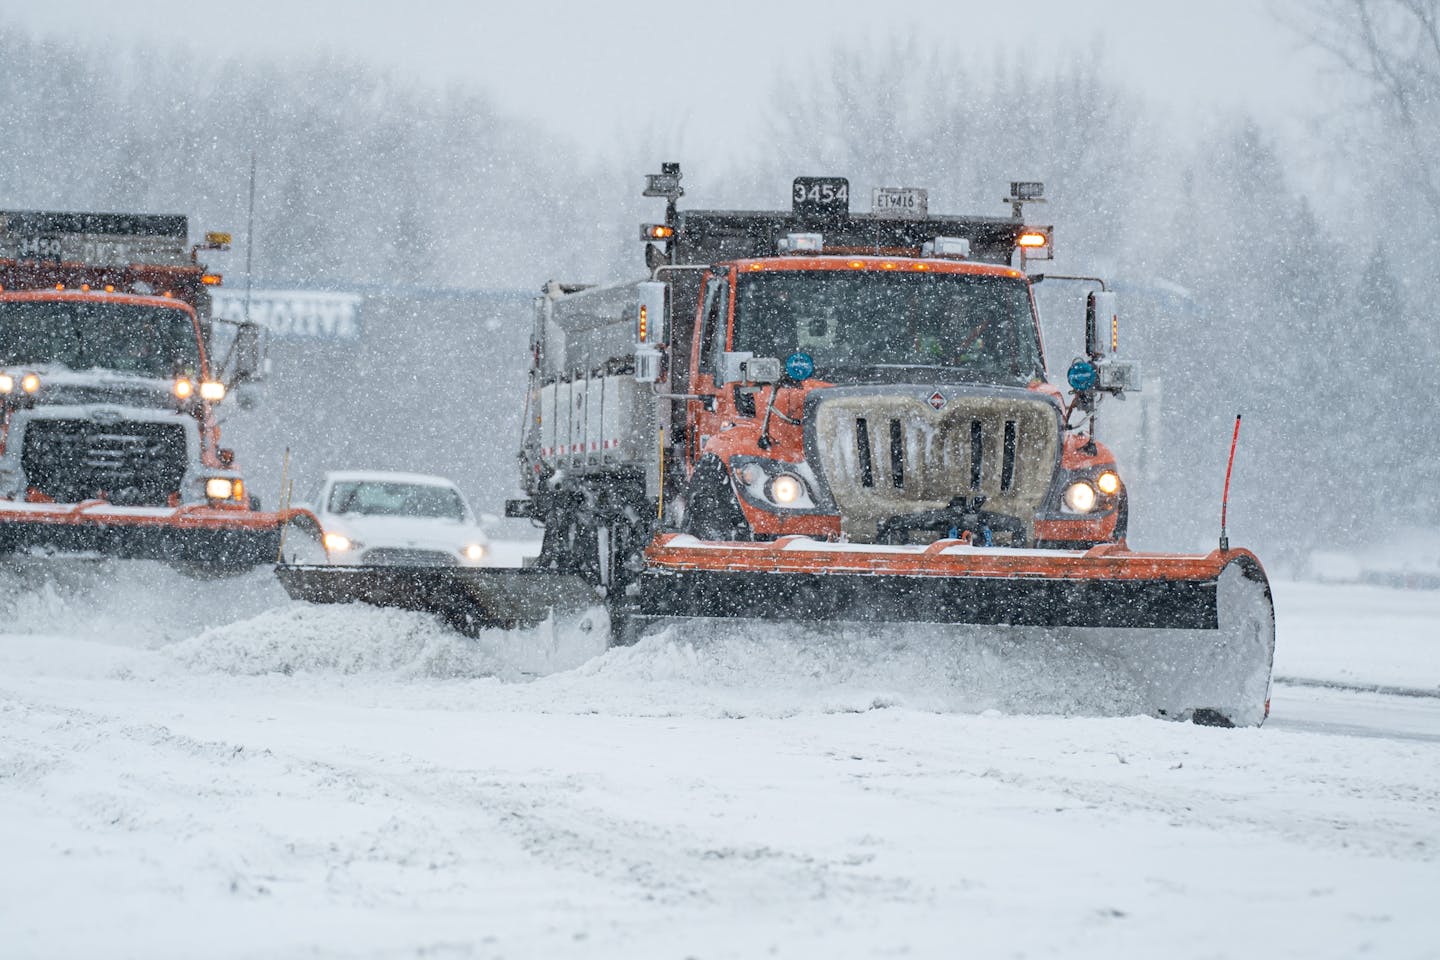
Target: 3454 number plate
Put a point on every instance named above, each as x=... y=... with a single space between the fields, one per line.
x=821 y=197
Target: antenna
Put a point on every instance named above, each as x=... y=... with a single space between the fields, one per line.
x=250 y=238
x=1225 y=498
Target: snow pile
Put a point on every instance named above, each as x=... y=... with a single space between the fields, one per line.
x=351 y=639
x=345 y=639
x=127 y=602
x=780 y=670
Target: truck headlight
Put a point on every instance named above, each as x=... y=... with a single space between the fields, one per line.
x=474 y=552
x=30 y=383
x=212 y=390
x=337 y=542
x=777 y=484
x=1080 y=497
x=219 y=488
x=785 y=489
x=7 y=383
x=183 y=388
x=1108 y=482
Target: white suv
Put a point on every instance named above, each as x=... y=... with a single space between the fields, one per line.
x=371 y=517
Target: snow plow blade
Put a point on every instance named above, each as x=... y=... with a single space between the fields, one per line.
x=1195 y=633
x=201 y=537
x=467 y=598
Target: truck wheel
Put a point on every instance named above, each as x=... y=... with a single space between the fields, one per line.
x=712 y=511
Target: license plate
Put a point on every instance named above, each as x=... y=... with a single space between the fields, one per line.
x=900 y=203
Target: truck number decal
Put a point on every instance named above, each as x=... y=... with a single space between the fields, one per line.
x=820 y=197
x=38 y=248
x=824 y=192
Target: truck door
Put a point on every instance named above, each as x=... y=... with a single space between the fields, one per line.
x=710 y=341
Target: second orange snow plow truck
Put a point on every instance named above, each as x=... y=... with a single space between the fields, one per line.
x=816 y=415
x=108 y=389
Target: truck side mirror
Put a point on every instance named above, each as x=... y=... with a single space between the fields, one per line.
x=649 y=330
x=650 y=314
x=1100 y=312
x=647 y=364
x=247 y=354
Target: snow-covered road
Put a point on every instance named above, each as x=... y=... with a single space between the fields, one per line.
x=191 y=769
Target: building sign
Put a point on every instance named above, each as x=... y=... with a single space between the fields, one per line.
x=295 y=314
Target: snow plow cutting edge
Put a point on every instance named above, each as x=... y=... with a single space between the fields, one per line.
x=213 y=538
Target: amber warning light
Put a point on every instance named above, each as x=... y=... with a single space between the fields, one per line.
x=656 y=231
x=211 y=279
x=1032 y=239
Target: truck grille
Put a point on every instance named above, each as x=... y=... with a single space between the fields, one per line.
x=128 y=462
x=887 y=452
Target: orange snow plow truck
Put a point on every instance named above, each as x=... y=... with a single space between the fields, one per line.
x=818 y=416
x=108 y=390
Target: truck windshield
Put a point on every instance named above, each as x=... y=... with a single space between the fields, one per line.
x=86 y=335
x=388 y=499
x=873 y=326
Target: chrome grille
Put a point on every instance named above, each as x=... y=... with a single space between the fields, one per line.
x=886 y=452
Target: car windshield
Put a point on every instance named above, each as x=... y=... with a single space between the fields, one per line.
x=155 y=342
x=391 y=499
x=872 y=325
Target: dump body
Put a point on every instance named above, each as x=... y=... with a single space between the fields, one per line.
x=109 y=441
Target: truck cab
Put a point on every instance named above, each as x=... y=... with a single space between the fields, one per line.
x=884 y=399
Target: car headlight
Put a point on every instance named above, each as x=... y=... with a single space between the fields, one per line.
x=1080 y=497
x=219 y=488
x=474 y=552
x=337 y=542
x=785 y=489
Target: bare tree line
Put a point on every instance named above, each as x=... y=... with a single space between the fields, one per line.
x=1236 y=295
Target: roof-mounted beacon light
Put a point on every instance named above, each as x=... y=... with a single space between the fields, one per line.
x=214 y=240
x=1021 y=193
x=665 y=184
x=801 y=243
x=956 y=247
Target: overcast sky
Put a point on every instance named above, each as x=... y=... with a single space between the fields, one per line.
x=602 y=70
